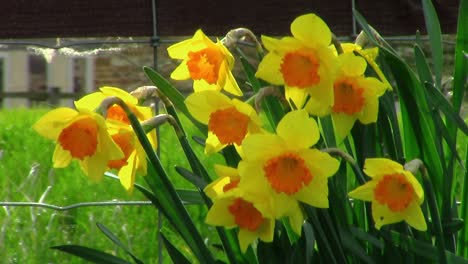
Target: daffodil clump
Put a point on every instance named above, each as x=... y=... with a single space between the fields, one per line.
x=275 y=173
x=98 y=143
x=280 y=171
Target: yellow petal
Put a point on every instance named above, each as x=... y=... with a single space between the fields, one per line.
x=382 y=215
x=267 y=230
x=310 y=28
x=296 y=220
x=231 y=85
x=215 y=188
x=364 y=192
x=376 y=167
x=319 y=163
x=315 y=193
x=317 y=108
x=246 y=238
x=61 y=157
x=181 y=49
x=343 y=125
x=52 y=123
x=263 y=146
x=298 y=130
x=219 y=214
x=202 y=104
x=416 y=186
x=94 y=166
x=269 y=69
x=414 y=217
x=212 y=144
x=90 y=101
x=352 y=65
x=201 y=85
x=127 y=173
x=224 y=171
x=120 y=93
x=296 y=95
x=181 y=72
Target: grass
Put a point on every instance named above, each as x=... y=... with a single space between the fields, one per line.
x=26 y=233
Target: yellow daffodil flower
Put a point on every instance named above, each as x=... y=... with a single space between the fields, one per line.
x=285 y=168
x=229 y=120
x=303 y=63
x=115 y=112
x=209 y=64
x=356 y=96
x=395 y=194
x=134 y=160
x=234 y=208
x=80 y=135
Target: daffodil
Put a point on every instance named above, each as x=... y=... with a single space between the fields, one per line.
x=229 y=120
x=285 y=168
x=303 y=63
x=234 y=208
x=134 y=160
x=115 y=112
x=395 y=193
x=209 y=64
x=356 y=96
x=80 y=135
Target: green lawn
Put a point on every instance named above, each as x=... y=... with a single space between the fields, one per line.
x=26 y=175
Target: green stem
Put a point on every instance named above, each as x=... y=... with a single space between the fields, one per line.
x=348 y=158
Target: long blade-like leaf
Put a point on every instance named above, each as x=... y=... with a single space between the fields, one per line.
x=435 y=39
x=91 y=254
x=117 y=242
x=176 y=255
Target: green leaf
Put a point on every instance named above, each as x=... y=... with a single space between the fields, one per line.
x=422 y=67
x=117 y=242
x=366 y=236
x=461 y=63
x=309 y=235
x=352 y=247
x=438 y=101
x=91 y=254
x=190 y=197
x=194 y=179
x=463 y=234
x=435 y=39
x=175 y=254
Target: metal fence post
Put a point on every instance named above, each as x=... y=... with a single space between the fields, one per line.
x=54 y=96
